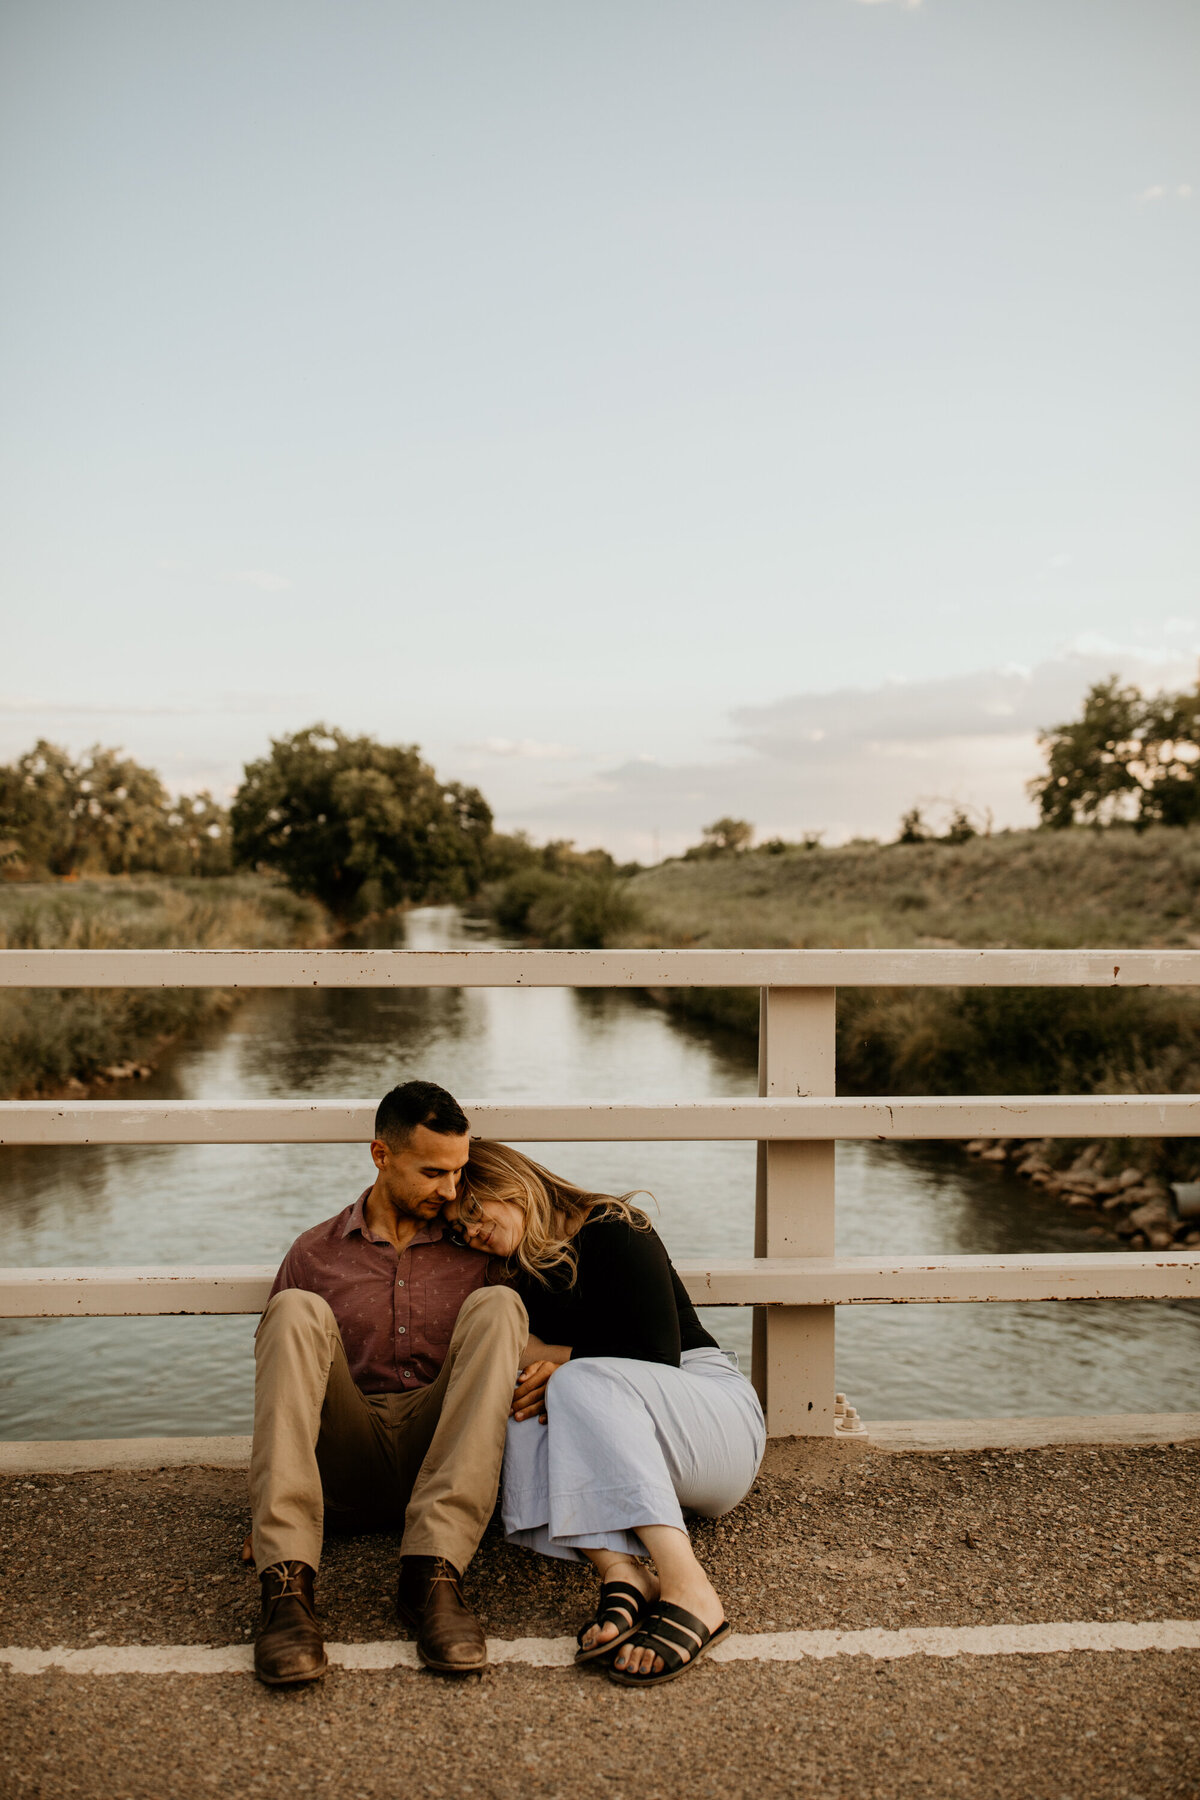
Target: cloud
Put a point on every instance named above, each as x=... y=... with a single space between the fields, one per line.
x=849 y=762
x=528 y=749
x=266 y=579
x=1149 y=195
x=236 y=704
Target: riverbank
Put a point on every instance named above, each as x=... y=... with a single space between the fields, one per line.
x=1044 y=890
x=77 y=1039
x=1035 y=889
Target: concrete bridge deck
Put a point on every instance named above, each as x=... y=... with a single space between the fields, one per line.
x=835 y=1537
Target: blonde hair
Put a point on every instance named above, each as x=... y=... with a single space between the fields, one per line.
x=554 y=1208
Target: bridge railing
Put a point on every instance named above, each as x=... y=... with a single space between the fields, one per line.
x=795 y=1281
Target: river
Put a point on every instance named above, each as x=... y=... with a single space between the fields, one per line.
x=106 y=1204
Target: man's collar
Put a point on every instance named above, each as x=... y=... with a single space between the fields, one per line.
x=430 y=1233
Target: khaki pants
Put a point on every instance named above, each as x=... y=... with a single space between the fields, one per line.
x=433 y=1454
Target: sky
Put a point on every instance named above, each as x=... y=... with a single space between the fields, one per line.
x=653 y=410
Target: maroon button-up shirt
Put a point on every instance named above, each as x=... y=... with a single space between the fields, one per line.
x=395 y=1311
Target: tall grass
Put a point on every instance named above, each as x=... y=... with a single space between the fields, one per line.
x=49 y=1037
x=1052 y=890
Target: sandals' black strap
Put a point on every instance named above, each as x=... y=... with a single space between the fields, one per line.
x=667 y=1630
x=621 y=1605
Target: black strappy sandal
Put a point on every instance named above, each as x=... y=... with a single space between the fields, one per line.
x=666 y=1630
x=621 y=1605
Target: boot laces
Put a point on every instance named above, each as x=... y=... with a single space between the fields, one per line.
x=445 y=1571
x=286 y=1579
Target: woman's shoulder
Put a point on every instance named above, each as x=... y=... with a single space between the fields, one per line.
x=610 y=1235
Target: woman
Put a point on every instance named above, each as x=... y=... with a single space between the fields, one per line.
x=625 y=1412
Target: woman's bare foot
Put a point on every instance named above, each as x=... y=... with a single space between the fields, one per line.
x=683 y=1583
x=619 y=1568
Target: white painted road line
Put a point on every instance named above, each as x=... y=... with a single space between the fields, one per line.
x=557 y=1653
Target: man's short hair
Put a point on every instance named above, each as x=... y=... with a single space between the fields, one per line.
x=416 y=1103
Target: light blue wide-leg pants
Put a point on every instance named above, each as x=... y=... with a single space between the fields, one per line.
x=626 y=1444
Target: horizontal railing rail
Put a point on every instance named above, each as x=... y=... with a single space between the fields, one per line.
x=599 y=968
x=747 y=1281
x=902 y=1119
x=794 y=1281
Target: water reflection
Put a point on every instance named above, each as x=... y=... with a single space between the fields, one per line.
x=245 y=1203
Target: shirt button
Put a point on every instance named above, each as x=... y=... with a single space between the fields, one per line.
x=399 y=1284
x=401 y=1330
x=408 y=1374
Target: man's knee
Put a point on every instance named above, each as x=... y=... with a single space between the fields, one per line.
x=493 y=1309
x=295 y=1310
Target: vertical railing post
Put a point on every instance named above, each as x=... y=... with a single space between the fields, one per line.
x=795 y=1214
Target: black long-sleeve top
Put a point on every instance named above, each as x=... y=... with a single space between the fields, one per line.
x=627 y=1299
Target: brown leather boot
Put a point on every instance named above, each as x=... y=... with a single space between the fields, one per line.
x=429 y=1601
x=289 y=1647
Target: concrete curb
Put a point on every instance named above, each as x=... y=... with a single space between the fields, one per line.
x=73 y=1456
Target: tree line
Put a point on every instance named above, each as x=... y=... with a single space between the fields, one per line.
x=1129 y=760
x=364 y=826
x=358 y=825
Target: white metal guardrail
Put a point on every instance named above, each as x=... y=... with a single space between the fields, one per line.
x=795 y=1281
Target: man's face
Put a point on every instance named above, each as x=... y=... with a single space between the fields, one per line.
x=419 y=1176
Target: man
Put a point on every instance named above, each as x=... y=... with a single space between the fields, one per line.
x=385 y=1368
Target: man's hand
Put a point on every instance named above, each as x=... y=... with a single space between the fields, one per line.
x=529 y=1396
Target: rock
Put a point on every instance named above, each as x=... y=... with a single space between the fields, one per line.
x=1160 y=1237
x=1081 y=1203
x=1155 y=1215
x=75 y=1086
x=1137 y=1241
x=1031 y=1167
x=1133 y=1197
x=1130 y=1178
x=1193 y=1237
x=996 y=1154
x=977 y=1146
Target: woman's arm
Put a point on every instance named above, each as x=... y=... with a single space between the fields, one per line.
x=538 y=1363
x=536 y=1351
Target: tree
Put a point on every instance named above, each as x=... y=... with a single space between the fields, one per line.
x=359 y=824
x=105 y=814
x=1129 y=757
x=724 y=837
x=913 y=829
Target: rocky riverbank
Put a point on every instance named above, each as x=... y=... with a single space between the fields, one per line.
x=1133 y=1204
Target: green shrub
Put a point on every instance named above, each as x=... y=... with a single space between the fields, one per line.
x=50 y=1036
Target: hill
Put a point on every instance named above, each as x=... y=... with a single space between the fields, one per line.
x=1038 y=889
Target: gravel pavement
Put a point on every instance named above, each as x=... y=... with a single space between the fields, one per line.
x=832 y=1536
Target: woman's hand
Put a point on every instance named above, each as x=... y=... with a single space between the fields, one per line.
x=529 y=1396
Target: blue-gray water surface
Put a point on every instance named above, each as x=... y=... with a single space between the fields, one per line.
x=104 y=1204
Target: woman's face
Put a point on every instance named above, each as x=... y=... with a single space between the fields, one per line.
x=496 y=1226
